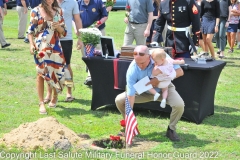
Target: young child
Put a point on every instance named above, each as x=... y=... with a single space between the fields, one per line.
x=165 y=73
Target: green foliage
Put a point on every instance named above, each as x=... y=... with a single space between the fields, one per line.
x=218 y=133
x=90 y=36
x=108 y=145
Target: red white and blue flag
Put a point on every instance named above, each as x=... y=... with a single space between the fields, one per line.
x=89 y=49
x=131 y=128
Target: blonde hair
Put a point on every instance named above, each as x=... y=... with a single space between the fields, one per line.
x=158 y=54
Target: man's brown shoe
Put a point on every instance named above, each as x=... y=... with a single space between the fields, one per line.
x=172 y=135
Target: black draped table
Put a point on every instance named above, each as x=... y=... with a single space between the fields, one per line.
x=197 y=86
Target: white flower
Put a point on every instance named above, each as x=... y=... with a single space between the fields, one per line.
x=90 y=35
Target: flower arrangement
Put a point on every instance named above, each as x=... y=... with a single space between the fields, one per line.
x=110 y=3
x=109 y=143
x=115 y=142
x=90 y=36
x=39 y=54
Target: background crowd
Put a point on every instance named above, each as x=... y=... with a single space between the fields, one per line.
x=185 y=22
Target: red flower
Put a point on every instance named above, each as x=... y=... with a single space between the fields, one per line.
x=128 y=8
x=114 y=138
x=99 y=22
x=41 y=55
x=122 y=123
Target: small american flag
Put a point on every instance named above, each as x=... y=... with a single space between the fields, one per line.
x=131 y=129
x=89 y=49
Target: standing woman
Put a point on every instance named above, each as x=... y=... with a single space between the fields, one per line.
x=232 y=24
x=46 y=27
x=156 y=13
x=210 y=13
x=201 y=44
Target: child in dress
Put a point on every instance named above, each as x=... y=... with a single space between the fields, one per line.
x=164 y=72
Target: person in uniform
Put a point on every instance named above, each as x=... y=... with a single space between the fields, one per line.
x=92 y=11
x=179 y=15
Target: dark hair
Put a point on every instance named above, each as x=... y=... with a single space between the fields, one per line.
x=158 y=3
x=54 y=7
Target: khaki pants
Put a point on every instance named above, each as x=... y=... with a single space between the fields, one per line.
x=173 y=99
x=22 y=22
x=135 y=32
x=2 y=38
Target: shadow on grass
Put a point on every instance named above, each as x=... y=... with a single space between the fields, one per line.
x=223 y=117
x=12 y=49
x=79 y=101
x=186 y=140
x=232 y=63
x=70 y=111
x=232 y=58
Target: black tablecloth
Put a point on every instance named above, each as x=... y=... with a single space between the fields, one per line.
x=196 y=87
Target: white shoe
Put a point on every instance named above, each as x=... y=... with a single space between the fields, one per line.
x=163 y=103
x=156 y=96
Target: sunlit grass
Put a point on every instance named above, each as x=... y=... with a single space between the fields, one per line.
x=218 y=133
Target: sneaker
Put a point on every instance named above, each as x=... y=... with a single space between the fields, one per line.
x=88 y=81
x=172 y=135
x=156 y=96
x=163 y=103
x=26 y=40
x=6 y=45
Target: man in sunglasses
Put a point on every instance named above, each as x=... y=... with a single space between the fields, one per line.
x=140 y=67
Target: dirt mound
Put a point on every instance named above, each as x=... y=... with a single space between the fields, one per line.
x=42 y=133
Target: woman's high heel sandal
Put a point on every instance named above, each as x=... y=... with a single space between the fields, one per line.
x=53 y=105
x=42 y=111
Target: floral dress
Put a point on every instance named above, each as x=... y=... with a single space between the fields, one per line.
x=48 y=57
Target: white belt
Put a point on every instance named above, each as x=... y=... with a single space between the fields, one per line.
x=174 y=29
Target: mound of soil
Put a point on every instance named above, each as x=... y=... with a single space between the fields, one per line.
x=49 y=133
x=42 y=133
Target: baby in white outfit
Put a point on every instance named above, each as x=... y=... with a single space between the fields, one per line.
x=164 y=72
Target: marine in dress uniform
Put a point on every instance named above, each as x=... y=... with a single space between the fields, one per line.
x=179 y=15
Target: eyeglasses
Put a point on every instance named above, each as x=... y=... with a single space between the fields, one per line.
x=139 y=53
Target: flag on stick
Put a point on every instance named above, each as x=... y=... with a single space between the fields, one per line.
x=131 y=129
x=89 y=49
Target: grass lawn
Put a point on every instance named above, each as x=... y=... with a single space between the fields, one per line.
x=218 y=136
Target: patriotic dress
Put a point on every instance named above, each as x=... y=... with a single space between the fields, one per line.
x=50 y=65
